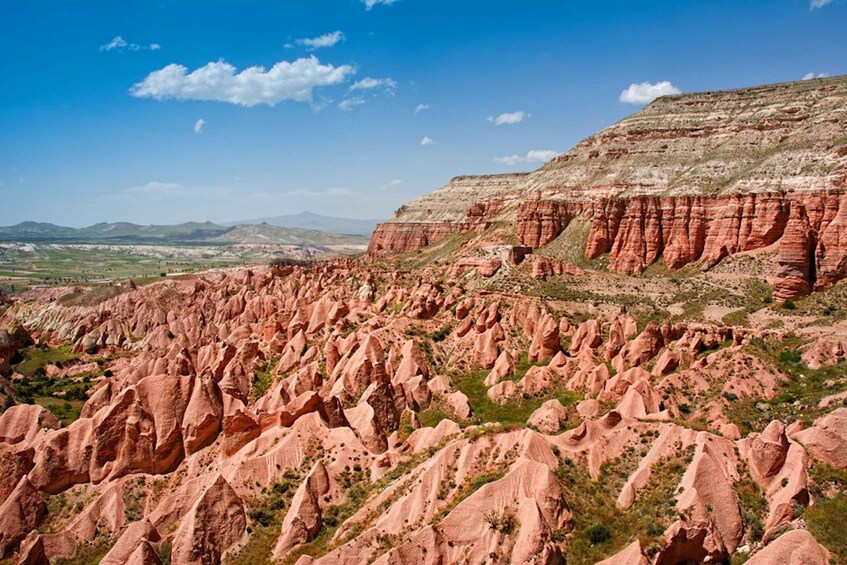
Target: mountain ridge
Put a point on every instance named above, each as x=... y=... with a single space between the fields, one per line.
x=186 y=232
x=309 y=220
x=689 y=178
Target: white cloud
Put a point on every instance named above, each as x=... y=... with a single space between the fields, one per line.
x=350 y=103
x=198 y=125
x=422 y=108
x=369 y=83
x=427 y=140
x=371 y=3
x=254 y=85
x=535 y=156
x=645 y=92
x=810 y=76
x=120 y=44
x=813 y=4
x=117 y=43
x=390 y=184
x=509 y=118
x=325 y=40
x=155 y=189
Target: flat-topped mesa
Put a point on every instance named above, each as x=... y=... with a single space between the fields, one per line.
x=689 y=178
x=466 y=203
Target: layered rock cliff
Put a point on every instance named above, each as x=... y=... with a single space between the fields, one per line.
x=690 y=178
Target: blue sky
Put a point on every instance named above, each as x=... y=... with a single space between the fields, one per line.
x=101 y=101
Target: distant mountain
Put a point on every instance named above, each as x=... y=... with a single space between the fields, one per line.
x=310 y=221
x=36 y=230
x=119 y=232
x=266 y=233
x=189 y=232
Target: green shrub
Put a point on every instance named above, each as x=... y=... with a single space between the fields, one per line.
x=789 y=356
x=599 y=533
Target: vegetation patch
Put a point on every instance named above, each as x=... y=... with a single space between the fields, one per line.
x=600 y=527
x=796 y=397
x=262 y=380
x=64 y=397
x=570 y=246
x=514 y=412
x=89 y=552
x=266 y=514
x=36 y=358
x=753 y=506
x=825 y=520
x=358 y=491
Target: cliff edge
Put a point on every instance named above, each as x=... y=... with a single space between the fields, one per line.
x=689 y=178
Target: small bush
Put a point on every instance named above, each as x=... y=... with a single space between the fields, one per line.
x=791 y=356
x=599 y=533
x=789 y=305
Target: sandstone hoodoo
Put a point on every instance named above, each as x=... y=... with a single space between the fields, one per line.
x=691 y=178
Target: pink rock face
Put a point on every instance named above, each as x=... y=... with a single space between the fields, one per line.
x=22 y=423
x=141 y=430
x=136 y=534
x=768 y=451
x=545 y=342
x=543 y=267
x=797 y=547
x=645 y=346
x=21 y=512
x=409 y=236
x=796 y=257
x=587 y=335
x=549 y=417
x=144 y=554
x=32 y=550
x=303 y=518
x=632 y=555
x=710 y=527
x=827 y=439
x=824 y=352
x=485 y=267
x=213 y=524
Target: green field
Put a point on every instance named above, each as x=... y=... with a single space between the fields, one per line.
x=24 y=265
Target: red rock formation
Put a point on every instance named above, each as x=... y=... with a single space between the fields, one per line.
x=214 y=523
x=811 y=228
x=797 y=547
x=303 y=518
x=20 y=512
x=796 y=256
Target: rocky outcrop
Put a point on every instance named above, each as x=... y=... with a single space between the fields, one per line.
x=303 y=518
x=797 y=547
x=21 y=512
x=215 y=523
x=690 y=178
x=467 y=203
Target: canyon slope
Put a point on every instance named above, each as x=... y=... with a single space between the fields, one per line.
x=358 y=411
x=691 y=178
